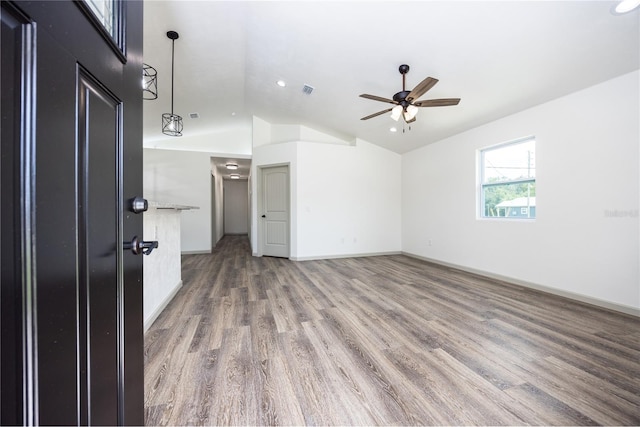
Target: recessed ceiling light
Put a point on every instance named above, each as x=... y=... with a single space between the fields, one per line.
x=626 y=6
x=281 y=83
x=233 y=113
x=234 y=176
x=232 y=166
x=393 y=129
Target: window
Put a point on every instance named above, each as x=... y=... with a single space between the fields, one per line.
x=105 y=12
x=508 y=180
x=108 y=17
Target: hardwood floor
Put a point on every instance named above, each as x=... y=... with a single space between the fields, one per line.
x=380 y=341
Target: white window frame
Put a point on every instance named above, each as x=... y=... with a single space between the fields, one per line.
x=482 y=184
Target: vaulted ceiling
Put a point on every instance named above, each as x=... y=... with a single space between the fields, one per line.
x=499 y=57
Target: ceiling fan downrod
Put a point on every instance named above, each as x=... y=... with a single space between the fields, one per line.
x=400 y=97
x=404 y=69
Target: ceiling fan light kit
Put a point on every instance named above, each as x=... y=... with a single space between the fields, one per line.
x=406 y=102
x=410 y=112
x=396 y=112
x=172 y=123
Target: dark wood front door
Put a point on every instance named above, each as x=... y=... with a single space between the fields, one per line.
x=71 y=159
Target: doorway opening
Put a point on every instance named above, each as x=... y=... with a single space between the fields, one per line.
x=230 y=198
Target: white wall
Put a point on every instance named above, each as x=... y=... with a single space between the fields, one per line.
x=260 y=133
x=236 y=206
x=348 y=200
x=183 y=178
x=232 y=140
x=345 y=199
x=587 y=152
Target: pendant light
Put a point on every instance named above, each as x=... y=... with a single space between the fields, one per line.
x=172 y=123
x=149 y=82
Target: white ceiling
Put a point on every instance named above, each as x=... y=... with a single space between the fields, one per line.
x=220 y=163
x=499 y=57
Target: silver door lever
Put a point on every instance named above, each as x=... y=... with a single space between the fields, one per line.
x=141 y=247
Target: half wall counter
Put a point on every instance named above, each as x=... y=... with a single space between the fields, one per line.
x=162 y=268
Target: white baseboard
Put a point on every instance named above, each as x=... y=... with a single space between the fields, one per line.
x=571 y=295
x=195 y=252
x=318 y=257
x=161 y=307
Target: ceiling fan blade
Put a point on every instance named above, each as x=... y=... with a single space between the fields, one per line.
x=376 y=114
x=444 y=102
x=422 y=88
x=378 y=98
x=411 y=121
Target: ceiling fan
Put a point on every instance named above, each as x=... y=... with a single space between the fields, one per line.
x=406 y=103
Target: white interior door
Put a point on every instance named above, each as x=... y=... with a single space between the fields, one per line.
x=274 y=218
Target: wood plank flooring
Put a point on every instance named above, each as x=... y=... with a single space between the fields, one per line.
x=380 y=341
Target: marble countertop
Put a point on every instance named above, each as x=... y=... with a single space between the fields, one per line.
x=163 y=205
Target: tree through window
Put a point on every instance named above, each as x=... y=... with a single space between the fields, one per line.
x=508 y=180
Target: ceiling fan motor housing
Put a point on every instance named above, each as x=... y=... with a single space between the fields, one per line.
x=401 y=97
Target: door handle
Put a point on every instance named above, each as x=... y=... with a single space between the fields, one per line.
x=141 y=247
x=264 y=216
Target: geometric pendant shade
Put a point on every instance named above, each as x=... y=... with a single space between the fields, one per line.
x=149 y=82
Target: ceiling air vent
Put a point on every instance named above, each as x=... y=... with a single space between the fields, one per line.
x=194 y=115
x=307 y=89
